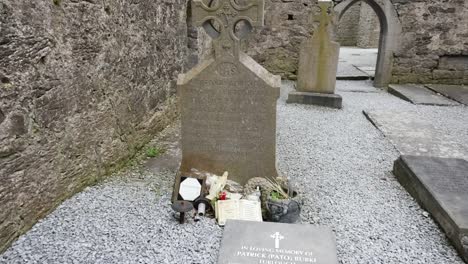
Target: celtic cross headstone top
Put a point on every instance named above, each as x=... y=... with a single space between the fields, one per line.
x=227 y=22
x=228 y=101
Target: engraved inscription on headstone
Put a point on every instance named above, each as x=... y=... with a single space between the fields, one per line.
x=263 y=243
x=228 y=101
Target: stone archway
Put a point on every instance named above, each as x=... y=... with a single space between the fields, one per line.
x=390 y=31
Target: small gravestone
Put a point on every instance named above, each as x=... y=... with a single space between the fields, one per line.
x=440 y=185
x=228 y=101
x=318 y=64
x=263 y=243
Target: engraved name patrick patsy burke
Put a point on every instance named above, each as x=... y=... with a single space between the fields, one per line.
x=228 y=101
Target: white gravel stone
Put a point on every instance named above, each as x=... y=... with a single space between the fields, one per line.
x=341 y=163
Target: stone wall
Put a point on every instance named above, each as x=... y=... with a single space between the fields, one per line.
x=276 y=45
x=348 y=28
x=368 y=29
x=83 y=85
x=359 y=27
x=434 y=45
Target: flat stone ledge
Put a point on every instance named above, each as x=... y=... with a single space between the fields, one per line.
x=440 y=186
x=328 y=100
x=458 y=93
x=418 y=94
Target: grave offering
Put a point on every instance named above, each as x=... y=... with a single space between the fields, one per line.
x=182 y=207
x=440 y=186
x=262 y=243
x=318 y=64
x=280 y=203
x=228 y=101
x=238 y=210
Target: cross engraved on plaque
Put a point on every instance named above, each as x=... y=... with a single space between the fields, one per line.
x=277 y=237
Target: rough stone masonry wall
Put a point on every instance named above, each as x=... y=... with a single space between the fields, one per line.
x=347 y=30
x=434 y=46
x=287 y=24
x=83 y=85
x=369 y=28
x=359 y=27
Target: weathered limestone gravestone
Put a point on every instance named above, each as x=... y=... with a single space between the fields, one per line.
x=318 y=64
x=440 y=185
x=254 y=242
x=228 y=102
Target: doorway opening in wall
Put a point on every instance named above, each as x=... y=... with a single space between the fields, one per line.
x=358 y=33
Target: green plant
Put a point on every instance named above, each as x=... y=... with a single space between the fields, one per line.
x=278 y=192
x=57 y=2
x=153 y=152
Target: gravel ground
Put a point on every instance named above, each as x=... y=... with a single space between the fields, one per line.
x=340 y=161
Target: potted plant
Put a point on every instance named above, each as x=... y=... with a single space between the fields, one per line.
x=282 y=203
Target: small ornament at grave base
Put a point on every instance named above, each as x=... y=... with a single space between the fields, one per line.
x=279 y=202
x=283 y=210
x=217 y=186
x=182 y=207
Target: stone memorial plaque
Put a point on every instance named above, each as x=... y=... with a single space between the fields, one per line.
x=228 y=102
x=273 y=243
x=440 y=185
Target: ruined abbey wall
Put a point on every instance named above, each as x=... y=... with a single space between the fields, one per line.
x=83 y=85
x=433 y=47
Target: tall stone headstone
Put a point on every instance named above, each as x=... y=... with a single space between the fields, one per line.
x=228 y=101
x=318 y=65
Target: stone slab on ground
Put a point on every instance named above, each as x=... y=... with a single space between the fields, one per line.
x=418 y=94
x=347 y=71
x=262 y=242
x=458 y=93
x=412 y=134
x=356 y=63
x=369 y=70
x=440 y=186
x=365 y=86
x=328 y=100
